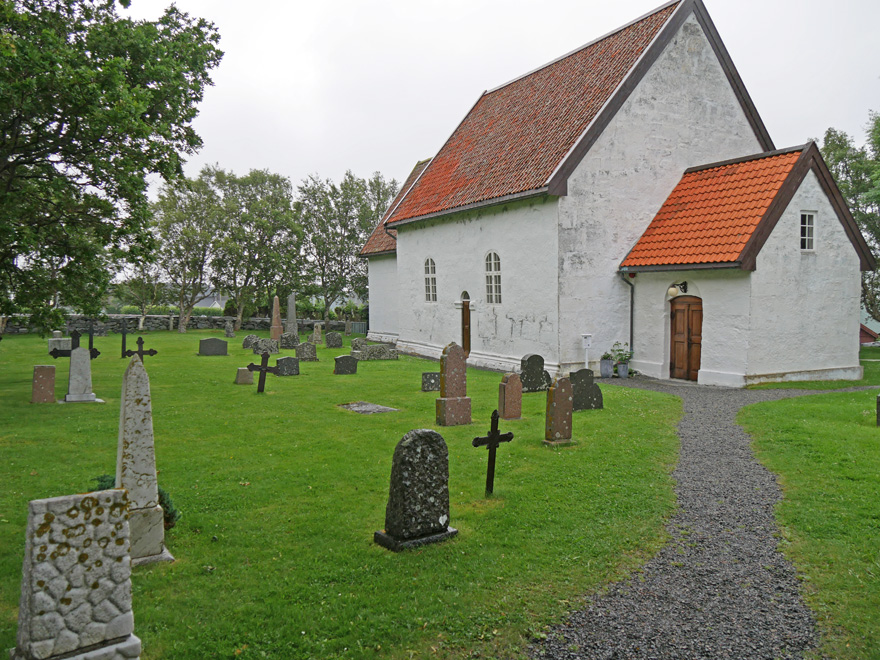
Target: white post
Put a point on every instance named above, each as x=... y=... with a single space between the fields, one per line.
x=587 y=343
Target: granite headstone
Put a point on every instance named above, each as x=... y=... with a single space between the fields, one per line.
x=333 y=340
x=532 y=374
x=212 y=346
x=586 y=394
x=287 y=366
x=454 y=406
x=345 y=364
x=557 y=428
x=307 y=352
x=510 y=397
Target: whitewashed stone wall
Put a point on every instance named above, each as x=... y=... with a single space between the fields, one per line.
x=805 y=305
x=382 y=274
x=76 y=580
x=683 y=113
x=525 y=238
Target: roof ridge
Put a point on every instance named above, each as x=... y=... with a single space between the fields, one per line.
x=751 y=157
x=586 y=45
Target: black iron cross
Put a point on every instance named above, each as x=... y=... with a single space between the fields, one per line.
x=74 y=343
x=263 y=368
x=124 y=331
x=491 y=442
x=140 y=352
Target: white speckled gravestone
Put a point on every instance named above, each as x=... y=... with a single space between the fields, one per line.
x=136 y=467
x=76 y=580
x=79 y=382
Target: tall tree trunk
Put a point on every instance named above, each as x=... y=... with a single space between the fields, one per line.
x=239 y=313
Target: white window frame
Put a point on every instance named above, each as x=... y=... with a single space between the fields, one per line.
x=430 y=281
x=807 y=237
x=492 y=265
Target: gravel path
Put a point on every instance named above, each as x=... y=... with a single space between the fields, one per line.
x=719 y=588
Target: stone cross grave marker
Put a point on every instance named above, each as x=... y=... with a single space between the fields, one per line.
x=586 y=394
x=345 y=364
x=140 y=352
x=43 y=386
x=276 y=328
x=136 y=467
x=491 y=442
x=212 y=346
x=532 y=374
x=79 y=382
x=263 y=368
x=333 y=340
x=290 y=326
x=418 y=499
x=510 y=397
x=557 y=429
x=76 y=580
x=454 y=406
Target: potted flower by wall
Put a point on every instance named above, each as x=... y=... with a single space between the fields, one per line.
x=621 y=355
x=606 y=365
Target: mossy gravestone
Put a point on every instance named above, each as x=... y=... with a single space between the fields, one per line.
x=250 y=341
x=586 y=394
x=418 y=499
x=532 y=374
x=76 y=580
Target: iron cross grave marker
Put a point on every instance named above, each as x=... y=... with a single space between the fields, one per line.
x=263 y=368
x=140 y=352
x=491 y=442
x=74 y=343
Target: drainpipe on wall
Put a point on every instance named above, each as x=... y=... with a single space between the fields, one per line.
x=632 y=292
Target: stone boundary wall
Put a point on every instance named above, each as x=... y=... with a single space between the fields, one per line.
x=113 y=323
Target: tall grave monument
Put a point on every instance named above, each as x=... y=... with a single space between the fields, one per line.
x=290 y=325
x=454 y=406
x=275 y=330
x=136 y=467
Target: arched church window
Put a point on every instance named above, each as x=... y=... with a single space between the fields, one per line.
x=430 y=280
x=493 y=279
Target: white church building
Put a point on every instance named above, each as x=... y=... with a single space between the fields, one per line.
x=627 y=191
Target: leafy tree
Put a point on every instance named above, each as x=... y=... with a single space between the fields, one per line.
x=336 y=221
x=186 y=220
x=857 y=172
x=90 y=104
x=258 y=240
x=144 y=289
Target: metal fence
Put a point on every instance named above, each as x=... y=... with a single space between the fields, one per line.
x=359 y=327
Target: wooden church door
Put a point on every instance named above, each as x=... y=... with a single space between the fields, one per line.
x=466 y=323
x=687 y=327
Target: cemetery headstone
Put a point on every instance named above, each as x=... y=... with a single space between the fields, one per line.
x=491 y=442
x=510 y=397
x=79 y=383
x=454 y=406
x=136 y=467
x=347 y=327
x=140 y=352
x=314 y=338
x=532 y=374
x=333 y=340
x=276 y=329
x=170 y=322
x=244 y=376
x=76 y=580
x=319 y=329
x=288 y=340
x=263 y=368
x=74 y=343
x=212 y=346
x=418 y=500
x=307 y=352
x=43 y=386
x=59 y=342
x=290 y=325
x=287 y=366
x=586 y=394
x=249 y=341
x=374 y=352
x=430 y=381
x=557 y=428
x=229 y=329
x=265 y=345
x=345 y=364
x=358 y=344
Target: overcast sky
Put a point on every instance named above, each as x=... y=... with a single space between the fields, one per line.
x=324 y=86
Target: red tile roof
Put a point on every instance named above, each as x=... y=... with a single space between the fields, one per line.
x=516 y=136
x=379 y=241
x=713 y=212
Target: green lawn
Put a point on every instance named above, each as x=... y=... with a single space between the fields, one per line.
x=826 y=449
x=281 y=494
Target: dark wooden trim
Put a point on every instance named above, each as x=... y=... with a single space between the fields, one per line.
x=666 y=267
x=739 y=88
x=745 y=159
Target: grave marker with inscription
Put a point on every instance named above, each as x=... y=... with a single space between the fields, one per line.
x=212 y=346
x=453 y=408
x=557 y=428
x=510 y=397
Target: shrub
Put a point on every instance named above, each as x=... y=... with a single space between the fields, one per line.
x=170 y=513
